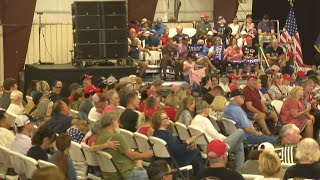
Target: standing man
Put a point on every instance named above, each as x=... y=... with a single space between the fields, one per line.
x=170 y=57
x=159 y=26
x=265 y=30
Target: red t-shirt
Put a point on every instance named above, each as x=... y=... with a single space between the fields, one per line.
x=141 y=107
x=144 y=130
x=237 y=51
x=233 y=87
x=171 y=112
x=252 y=95
x=150 y=111
x=164 y=40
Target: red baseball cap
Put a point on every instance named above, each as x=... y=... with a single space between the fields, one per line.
x=152 y=92
x=216 y=148
x=233 y=76
x=287 y=77
x=85 y=76
x=91 y=88
x=248 y=38
x=301 y=74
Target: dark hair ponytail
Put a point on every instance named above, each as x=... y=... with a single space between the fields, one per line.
x=62 y=143
x=38 y=137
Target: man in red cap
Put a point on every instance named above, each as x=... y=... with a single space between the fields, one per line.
x=85 y=79
x=86 y=105
x=217 y=155
x=287 y=80
x=250 y=52
x=254 y=107
x=204 y=25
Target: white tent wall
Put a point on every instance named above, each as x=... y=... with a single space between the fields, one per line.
x=57 y=28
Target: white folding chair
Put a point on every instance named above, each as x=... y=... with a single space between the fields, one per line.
x=75 y=112
x=160 y=150
x=182 y=131
x=142 y=142
x=128 y=135
x=175 y=132
x=12 y=116
x=18 y=164
x=91 y=160
x=202 y=141
x=43 y=164
x=5 y=160
x=107 y=164
x=29 y=99
x=229 y=125
x=242 y=86
x=30 y=166
x=277 y=104
x=78 y=158
x=251 y=176
x=120 y=110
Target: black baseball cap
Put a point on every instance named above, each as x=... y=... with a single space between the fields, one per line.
x=235 y=93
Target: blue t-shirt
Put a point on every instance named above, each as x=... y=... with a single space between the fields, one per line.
x=236 y=113
x=266 y=27
x=153 y=43
x=204 y=52
x=159 y=29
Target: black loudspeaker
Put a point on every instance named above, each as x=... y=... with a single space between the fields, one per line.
x=99 y=30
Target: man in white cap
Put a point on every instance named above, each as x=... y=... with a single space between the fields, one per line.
x=22 y=141
x=122 y=92
x=217 y=155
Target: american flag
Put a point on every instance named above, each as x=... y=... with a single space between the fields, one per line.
x=290 y=36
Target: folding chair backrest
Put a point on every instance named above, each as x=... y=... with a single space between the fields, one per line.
x=76 y=152
x=106 y=162
x=229 y=125
x=251 y=176
x=286 y=154
x=43 y=164
x=120 y=109
x=5 y=157
x=194 y=131
x=182 y=131
x=91 y=156
x=12 y=116
x=29 y=99
x=277 y=104
x=17 y=162
x=159 y=147
x=175 y=132
x=30 y=166
x=75 y=112
x=142 y=142
x=128 y=135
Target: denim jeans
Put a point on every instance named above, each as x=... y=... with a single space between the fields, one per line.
x=260 y=139
x=138 y=174
x=234 y=141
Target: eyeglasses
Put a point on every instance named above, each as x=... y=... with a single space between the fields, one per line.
x=165 y=118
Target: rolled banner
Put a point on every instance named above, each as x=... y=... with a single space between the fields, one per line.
x=233 y=61
x=251 y=61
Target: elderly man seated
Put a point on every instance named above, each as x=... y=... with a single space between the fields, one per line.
x=234 y=112
x=123 y=156
x=16 y=106
x=265 y=30
x=275 y=54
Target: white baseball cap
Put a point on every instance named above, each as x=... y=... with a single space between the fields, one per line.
x=22 y=120
x=266 y=146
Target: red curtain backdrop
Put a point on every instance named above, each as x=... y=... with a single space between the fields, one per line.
x=225 y=8
x=138 y=9
x=17 y=16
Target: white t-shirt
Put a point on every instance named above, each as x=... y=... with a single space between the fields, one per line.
x=21 y=144
x=225 y=87
x=16 y=109
x=6 y=137
x=235 y=28
x=94 y=115
x=206 y=125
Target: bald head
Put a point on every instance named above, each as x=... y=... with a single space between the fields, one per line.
x=179 y=29
x=274 y=42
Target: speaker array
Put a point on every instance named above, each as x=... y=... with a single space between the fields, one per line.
x=99 y=30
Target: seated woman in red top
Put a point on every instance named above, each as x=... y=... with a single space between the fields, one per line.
x=171 y=105
x=233 y=85
x=295 y=112
x=233 y=54
x=146 y=127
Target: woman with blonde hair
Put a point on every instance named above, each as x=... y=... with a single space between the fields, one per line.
x=219 y=103
x=186 y=110
x=113 y=101
x=48 y=173
x=43 y=111
x=295 y=112
x=308 y=155
x=171 y=105
x=269 y=165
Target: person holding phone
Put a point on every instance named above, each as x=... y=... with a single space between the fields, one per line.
x=234 y=140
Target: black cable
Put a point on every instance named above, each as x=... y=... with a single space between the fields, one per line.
x=46 y=48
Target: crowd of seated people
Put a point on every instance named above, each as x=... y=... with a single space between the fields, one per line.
x=152 y=109
x=231 y=48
